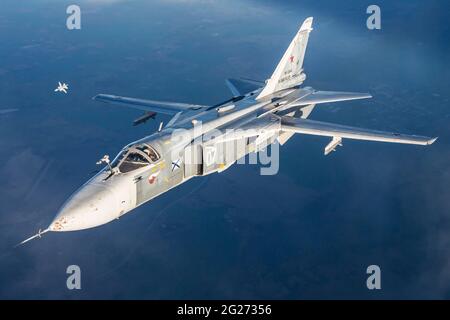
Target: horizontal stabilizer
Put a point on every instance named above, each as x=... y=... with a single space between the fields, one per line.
x=241 y=86
x=256 y=83
x=317 y=97
x=170 y=108
x=234 y=90
x=318 y=128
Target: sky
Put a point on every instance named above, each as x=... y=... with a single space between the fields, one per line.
x=308 y=232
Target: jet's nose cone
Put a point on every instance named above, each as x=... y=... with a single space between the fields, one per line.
x=92 y=205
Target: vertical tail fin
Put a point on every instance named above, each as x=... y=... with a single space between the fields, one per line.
x=289 y=71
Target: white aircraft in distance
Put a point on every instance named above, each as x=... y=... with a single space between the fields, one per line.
x=197 y=139
x=62 y=87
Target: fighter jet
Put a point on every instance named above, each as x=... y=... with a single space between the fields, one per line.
x=200 y=140
x=62 y=87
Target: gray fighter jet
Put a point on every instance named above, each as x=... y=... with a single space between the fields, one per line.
x=200 y=140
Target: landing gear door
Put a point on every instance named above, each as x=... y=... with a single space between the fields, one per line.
x=193 y=160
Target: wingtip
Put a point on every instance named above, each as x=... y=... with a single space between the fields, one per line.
x=432 y=140
x=102 y=97
x=97 y=96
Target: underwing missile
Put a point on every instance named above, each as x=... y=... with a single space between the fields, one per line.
x=144 y=118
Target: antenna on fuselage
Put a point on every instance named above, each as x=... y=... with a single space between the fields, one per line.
x=160 y=126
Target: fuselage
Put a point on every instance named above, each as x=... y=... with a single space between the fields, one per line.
x=185 y=148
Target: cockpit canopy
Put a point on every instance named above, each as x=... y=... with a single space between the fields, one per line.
x=135 y=157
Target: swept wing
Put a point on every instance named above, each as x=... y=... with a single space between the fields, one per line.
x=326 y=129
x=170 y=108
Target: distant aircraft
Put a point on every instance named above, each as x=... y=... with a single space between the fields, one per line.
x=183 y=149
x=62 y=87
